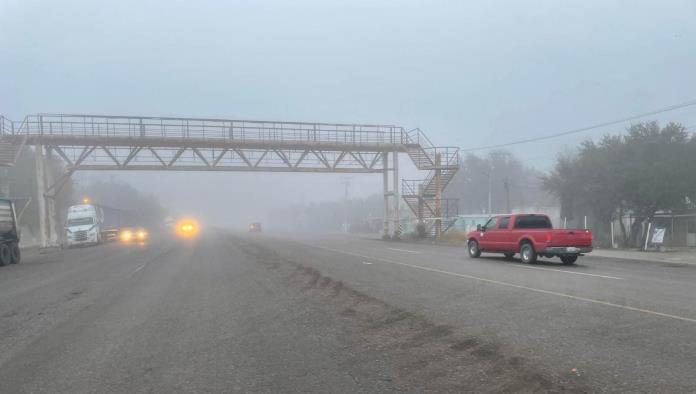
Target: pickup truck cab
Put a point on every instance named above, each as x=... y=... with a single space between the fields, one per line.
x=530 y=235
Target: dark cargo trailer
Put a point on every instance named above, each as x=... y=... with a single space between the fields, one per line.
x=9 y=234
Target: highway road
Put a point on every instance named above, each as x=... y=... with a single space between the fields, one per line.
x=261 y=313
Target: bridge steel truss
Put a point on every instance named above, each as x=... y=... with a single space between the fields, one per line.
x=98 y=142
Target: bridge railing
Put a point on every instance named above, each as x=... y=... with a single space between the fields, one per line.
x=6 y=126
x=411 y=187
x=449 y=156
x=416 y=136
x=209 y=129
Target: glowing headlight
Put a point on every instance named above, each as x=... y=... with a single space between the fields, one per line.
x=126 y=235
x=187 y=228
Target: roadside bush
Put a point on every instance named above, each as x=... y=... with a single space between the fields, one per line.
x=454 y=237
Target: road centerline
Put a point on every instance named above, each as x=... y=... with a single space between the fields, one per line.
x=404 y=250
x=513 y=285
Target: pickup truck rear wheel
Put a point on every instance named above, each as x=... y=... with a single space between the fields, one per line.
x=568 y=260
x=473 y=248
x=527 y=253
x=5 y=254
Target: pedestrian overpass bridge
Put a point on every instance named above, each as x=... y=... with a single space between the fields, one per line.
x=138 y=143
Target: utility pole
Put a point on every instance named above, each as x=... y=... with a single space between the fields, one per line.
x=438 y=195
x=506 y=184
x=346 y=184
x=385 y=184
x=490 y=192
x=490 y=189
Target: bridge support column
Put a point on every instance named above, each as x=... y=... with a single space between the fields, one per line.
x=397 y=196
x=421 y=205
x=46 y=205
x=385 y=182
x=5 y=186
x=50 y=201
x=41 y=195
x=438 y=195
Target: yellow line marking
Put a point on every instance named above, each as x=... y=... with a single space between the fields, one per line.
x=507 y=284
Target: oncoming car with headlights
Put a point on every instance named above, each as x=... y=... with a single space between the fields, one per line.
x=129 y=234
x=187 y=228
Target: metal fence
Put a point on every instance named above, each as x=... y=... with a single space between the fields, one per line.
x=678 y=230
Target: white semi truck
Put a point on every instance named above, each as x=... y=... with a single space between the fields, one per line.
x=84 y=225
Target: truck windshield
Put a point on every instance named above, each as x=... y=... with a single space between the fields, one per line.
x=532 y=222
x=80 y=221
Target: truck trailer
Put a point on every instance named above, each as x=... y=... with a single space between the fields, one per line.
x=9 y=233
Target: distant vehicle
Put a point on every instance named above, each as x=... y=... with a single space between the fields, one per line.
x=84 y=225
x=9 y=234
x=255 y=227
x=531 y=236
x=133 y=234
x=168 y=222
x=113 y=220
x=187 y=228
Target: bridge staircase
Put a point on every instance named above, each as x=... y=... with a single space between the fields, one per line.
x=10 y=144
x=424 y=196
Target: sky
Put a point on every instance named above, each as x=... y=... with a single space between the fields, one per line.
x=468 y=73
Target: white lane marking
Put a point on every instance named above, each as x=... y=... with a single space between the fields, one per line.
x=566 y=271
x=507 y=284
x=404 y=250
x=367 y=263
x=139 y=268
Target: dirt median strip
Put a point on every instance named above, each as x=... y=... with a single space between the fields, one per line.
x=423 y=356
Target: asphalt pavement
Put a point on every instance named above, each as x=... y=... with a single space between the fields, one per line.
x=266 y=313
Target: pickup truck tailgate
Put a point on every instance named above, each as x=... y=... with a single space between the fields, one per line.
x=571 y=237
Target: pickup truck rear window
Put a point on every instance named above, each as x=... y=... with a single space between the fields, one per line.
x=532 y=222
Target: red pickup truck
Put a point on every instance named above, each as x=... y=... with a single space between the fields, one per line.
x=531 y=236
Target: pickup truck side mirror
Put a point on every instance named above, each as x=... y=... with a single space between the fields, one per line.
x=480 y=228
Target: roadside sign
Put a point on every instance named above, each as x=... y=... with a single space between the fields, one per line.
x=658 y=235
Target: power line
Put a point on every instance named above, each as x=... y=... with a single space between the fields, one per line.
x=595 y=126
